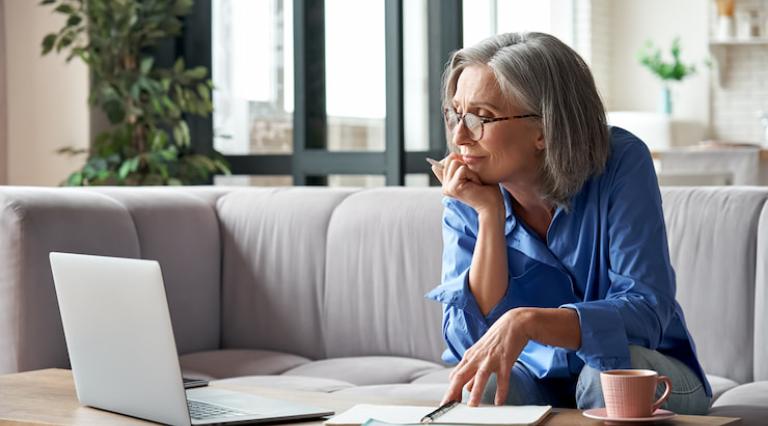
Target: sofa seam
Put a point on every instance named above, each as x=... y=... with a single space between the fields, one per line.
x=324 y=292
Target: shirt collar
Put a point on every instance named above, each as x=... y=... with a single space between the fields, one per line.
x=510 y=221
x=524 y=241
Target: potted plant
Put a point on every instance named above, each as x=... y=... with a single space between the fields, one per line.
x=148 y=142
x=668 y=72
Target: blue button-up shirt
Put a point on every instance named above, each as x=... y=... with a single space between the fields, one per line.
x=605 y=257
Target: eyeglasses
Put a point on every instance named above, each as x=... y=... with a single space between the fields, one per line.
x=475 y=124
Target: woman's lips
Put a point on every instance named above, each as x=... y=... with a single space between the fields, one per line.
x=471 y=159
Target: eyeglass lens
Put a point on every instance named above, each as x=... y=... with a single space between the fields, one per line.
x=471 y=121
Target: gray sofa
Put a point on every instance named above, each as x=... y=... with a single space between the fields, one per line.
x=322 y=289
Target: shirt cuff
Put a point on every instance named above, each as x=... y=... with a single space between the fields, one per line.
x=456 y=293
x=604 y=343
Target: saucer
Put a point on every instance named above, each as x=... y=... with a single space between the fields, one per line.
x=602 y=414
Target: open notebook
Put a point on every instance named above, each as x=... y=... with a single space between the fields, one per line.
x=460 y=414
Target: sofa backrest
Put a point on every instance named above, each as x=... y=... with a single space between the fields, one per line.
x=384 y=253
x=712 y=235
x=179 y=228
x=273 y=267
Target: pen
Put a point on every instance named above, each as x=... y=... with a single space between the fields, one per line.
x=429 y=418
x=435 y=163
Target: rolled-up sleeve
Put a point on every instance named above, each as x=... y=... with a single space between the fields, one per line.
x=463 y=322
x=638 y=303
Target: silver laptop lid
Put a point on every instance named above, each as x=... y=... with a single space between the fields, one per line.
x=119 y=336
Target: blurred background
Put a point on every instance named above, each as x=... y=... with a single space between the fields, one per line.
x=346 y=92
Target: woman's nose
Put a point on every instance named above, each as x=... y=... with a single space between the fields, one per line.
x=461 y=134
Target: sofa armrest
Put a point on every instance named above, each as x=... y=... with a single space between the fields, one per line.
x=34 y=222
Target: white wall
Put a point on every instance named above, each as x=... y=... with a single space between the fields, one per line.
x=593 y=41
x=46 y=98
x=633 y=87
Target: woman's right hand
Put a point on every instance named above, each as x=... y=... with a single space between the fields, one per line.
x=463 y=184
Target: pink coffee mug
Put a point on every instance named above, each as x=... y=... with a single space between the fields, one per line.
x=630 y=393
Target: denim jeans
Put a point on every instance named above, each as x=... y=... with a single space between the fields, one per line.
x=687 y=397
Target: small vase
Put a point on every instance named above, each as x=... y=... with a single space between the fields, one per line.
x=665 y=102
x=725 y=28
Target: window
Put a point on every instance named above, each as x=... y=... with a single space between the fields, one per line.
x=302 y=90
x=485 y=18
x=253 y=76
x=416 y=76
x=355 y=75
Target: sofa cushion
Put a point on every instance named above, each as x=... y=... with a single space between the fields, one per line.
x=233 y=363
x=720 y=385
x=298 y=383
x=434 y=377
x=427 y=394
x=384 y=254
x=755 y=393
x=750 y=402
x=273 y=267
x=369 y=370
x=712 y=243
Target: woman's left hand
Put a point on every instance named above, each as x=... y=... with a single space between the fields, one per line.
x=496 y=352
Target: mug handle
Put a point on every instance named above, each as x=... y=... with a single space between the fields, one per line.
x=665 y=396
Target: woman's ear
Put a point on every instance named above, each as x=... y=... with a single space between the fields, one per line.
x=540 y=143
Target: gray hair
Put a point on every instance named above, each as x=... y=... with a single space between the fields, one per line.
x=548 y=78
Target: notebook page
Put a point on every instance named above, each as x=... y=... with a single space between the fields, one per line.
x=496 y=415
x=460 y=414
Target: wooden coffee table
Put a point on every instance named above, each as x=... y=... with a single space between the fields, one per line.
x=46 y=397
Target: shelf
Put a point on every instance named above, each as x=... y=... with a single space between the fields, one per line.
x=739 y=42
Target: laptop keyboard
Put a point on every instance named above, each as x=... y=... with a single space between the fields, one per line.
x=199 y=410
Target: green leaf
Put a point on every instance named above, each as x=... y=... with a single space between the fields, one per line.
x=47 y=2
x=196 y=73
x=124 y=170
x=202 y=90
x=185 y=131
x=115 y=111
x=135 y=91
x=74 y=20
x=65 y=9
x=178 y=67
x=65 y=41
x=99 y=164
x=168 y=154
x=48 y=43
x=146 y=64
x=181 y=7
x=159 y=140
x=181 y=134
x=75 y=179
x=222 y=166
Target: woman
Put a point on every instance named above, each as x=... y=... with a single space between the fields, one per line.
x=555 y=263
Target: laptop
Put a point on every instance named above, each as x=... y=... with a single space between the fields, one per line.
x=123 y=353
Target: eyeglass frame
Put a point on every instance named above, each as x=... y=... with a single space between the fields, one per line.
x=483 y=120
